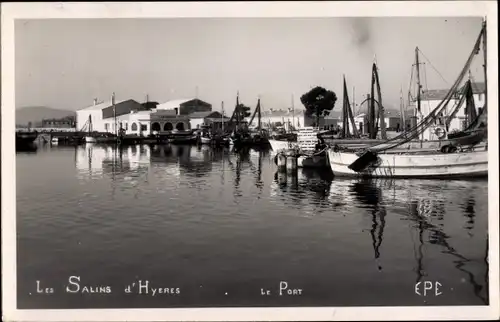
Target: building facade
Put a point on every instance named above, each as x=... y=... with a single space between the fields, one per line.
x=213 y=119
x=132 y=118
x=186 y=106
x=145 y=123
x=93 y=118
x=62 y=123
x=432 y=98
x=288 y=119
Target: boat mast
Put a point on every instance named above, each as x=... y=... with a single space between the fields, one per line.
x=114 y=110
x=419 y=111
x=345 y=102
x=372 y=118
x=293 y=113
x=222 y=117
x=401 y=109
x=484 y=66
x=353 y=101
x=258 y=116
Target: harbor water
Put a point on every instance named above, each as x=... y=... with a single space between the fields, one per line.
x=207 y=227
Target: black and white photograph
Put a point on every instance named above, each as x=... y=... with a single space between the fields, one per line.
x=250 y=161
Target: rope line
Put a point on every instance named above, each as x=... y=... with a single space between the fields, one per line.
x=435 y=69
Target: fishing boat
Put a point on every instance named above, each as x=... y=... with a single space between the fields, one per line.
x=54 y=140
x=205 y=140
x=461 y=158
x=182 y=137
x=95 y=137
x=374 y=132
x=280 y=144
x=25 y=138
x=240 y=132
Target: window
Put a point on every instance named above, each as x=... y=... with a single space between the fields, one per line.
x=180 y=126
x=168 y=127
x=126 y=126
x=134 y=127
x=106 y=126
x=156 y=127
x=144 y=127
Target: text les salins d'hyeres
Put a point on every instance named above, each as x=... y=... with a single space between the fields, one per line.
x=75 y=285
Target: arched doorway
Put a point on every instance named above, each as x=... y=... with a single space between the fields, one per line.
x=156 y=127
x=180 y=126
x=168 y=127
x=134 y=127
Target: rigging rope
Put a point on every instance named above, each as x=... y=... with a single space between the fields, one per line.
x=435 y=69
x=426 y=122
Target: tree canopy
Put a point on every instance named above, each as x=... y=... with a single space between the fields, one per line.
x=318 y=102
x=243 y=111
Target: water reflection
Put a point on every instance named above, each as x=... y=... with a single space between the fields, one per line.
x=423 y=204
x=370 y=195
x=469 y=213
x=27 y=148
x=139 y=201
x=421 y=212
x=96 y=161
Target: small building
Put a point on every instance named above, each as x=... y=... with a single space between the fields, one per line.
x=213 y=119
x=332 y=122
x=145 y=123
x=186 y=106
x=430 y=99
x=61 y=123
x=289 y=119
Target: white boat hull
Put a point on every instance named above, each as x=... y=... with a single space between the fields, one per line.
x=431 y=165
x=278 y=145
x=104 y=139
x=205 y=140
x=316 y=162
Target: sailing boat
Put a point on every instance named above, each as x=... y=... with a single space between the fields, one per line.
x=284 y=139
x=375 y=118
x=94 y=137
x=383 y=160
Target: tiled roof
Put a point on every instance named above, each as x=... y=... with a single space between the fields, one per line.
x=434 y=94
x=282 y=112
x=439 y=94
x=200 y=115
x=173 y=103
x=102 y=105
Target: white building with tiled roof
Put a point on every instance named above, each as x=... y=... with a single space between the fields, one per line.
x=131 y=117
x=430 y=99
x=186 y=106
x=99 y=116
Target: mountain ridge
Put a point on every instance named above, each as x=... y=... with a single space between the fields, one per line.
x=36 y=114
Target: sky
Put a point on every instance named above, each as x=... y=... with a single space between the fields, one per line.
x=66 y=63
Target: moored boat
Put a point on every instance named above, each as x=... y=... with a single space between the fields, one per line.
x=464 y=159
x=25 y=138
x=100 y=138
x=412 y=165
x=182 y=137
x=205 y=140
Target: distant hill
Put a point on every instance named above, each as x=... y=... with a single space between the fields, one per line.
x=35 y=114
